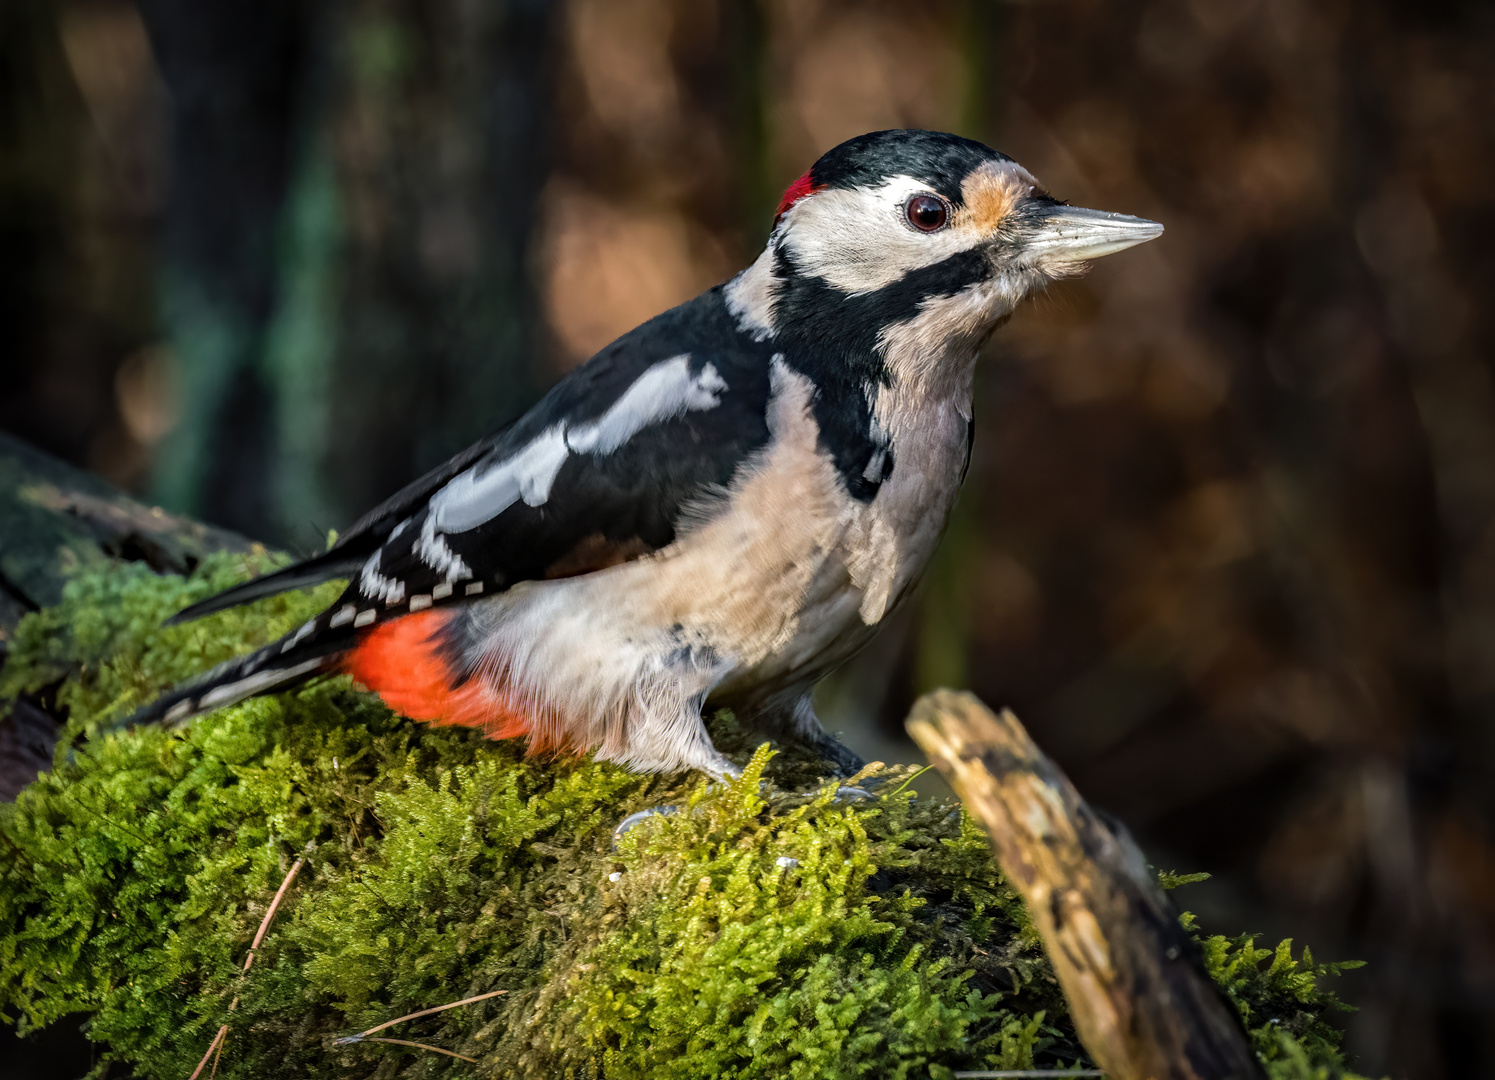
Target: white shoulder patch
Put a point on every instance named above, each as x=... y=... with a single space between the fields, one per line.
x=663 y=392
x=469 y=499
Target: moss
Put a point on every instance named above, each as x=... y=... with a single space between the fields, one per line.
x=764 y=929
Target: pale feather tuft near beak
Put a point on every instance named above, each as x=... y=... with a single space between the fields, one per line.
x=1069 y=235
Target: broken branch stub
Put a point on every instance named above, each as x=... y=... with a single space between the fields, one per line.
x=1142 y=1002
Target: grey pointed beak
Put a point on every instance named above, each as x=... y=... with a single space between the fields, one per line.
x=1065 y=235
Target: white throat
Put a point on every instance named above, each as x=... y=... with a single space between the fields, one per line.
x=931 y=357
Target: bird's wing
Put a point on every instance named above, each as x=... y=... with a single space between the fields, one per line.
x=604 y=480
x=597 y=473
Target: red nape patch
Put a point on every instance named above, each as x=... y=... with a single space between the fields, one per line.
x=401 y=661
x=805 y=185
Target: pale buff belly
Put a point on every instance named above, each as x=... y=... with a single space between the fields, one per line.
x=864 y=565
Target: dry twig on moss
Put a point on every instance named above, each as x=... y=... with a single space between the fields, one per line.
x=347 y=1040
x=419 y=1046
x=1141 y=999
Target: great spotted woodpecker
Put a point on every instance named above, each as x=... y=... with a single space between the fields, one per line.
x=721 y=506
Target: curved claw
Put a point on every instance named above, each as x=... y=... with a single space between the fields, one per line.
x=639 y=816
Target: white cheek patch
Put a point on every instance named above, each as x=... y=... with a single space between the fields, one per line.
x=666 y=391
x=857 y=241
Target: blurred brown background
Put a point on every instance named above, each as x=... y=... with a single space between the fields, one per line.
x=1228 y=544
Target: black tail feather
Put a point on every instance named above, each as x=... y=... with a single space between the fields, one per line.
x=327 y=567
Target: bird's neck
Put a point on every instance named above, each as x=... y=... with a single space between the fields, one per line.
x=925 y=356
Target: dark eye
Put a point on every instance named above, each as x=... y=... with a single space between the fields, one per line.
x=927 y=213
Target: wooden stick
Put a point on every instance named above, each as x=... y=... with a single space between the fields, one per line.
x=259 y=934
x=217 y=1041
x=1142 y=1002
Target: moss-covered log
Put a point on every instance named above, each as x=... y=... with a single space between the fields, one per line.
x=55 y=522
x=775 y=926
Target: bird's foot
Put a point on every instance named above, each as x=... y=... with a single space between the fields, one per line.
x=845 y=762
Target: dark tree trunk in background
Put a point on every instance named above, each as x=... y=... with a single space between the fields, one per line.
x=79 y=186
x=343 y=279
x=235 y=72
x=440 y=138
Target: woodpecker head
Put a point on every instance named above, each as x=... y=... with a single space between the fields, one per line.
x=916 y=239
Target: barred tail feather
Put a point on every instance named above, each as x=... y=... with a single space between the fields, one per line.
x=408 y=661
x=262 y=672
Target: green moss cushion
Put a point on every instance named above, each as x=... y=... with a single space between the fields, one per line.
x=768 y=928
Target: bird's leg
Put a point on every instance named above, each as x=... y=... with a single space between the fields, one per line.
x=665 y=733
x=793 y=719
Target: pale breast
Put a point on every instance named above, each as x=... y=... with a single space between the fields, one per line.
x=771 y=586
x=837 y=567
x=893 y=537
